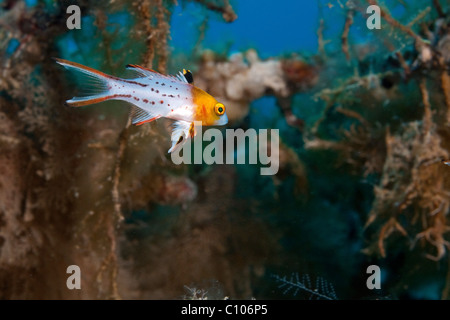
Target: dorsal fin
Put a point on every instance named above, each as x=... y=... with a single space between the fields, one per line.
x=146 y=72
x=185 y=76
x=188 y=76
x=180 y=77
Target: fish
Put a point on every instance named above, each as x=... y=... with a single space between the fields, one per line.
x=153 y=95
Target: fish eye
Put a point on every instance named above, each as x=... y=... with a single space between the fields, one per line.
x=219 y=109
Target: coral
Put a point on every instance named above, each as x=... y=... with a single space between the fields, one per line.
x=421 y=194
x=322 y=289
x=209 y=291
x=245 y=78
x=410 y=205
x=291 y=165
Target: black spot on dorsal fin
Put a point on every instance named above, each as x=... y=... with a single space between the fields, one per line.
x=188 y=76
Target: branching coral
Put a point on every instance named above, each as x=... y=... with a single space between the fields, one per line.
x=390 y=120
x=412 y=186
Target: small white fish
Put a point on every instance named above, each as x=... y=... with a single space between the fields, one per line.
x=154 y=96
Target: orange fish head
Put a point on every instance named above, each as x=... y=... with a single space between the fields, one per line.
x=207 y=109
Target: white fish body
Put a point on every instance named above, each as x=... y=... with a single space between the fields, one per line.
x=154 y=96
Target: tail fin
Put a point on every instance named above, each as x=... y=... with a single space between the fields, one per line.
x=97 y=85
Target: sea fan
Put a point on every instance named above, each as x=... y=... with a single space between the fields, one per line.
x=322 y=289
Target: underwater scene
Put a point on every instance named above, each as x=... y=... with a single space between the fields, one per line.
x=225 y=149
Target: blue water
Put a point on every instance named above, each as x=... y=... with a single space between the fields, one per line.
x=289 y=26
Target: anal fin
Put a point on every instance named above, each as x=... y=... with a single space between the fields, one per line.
x=140 y=116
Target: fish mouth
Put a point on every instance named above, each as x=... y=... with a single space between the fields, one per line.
x=223 y=120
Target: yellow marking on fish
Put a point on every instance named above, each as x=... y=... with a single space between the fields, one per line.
x=204 y=107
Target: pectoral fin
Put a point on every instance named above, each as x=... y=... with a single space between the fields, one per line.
x=182 y=130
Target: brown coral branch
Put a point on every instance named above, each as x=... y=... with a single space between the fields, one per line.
x=110 y=261
x=427 y=121
x=113 y=221
x=320 y=40
x=419 y=17
x=123 y=139
x=226 y=9
x=438 y=8
x=318 y=143
x=145 y=15
x=394 y=23
x=434 y=235
x=156 y=36
x=403 y=63
x=445 y=84
x=389 y=227
x=353 y=114
x=344 y=37
x=163 y=28
x=291 y=119
x=446 y=291
x=201 y=35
